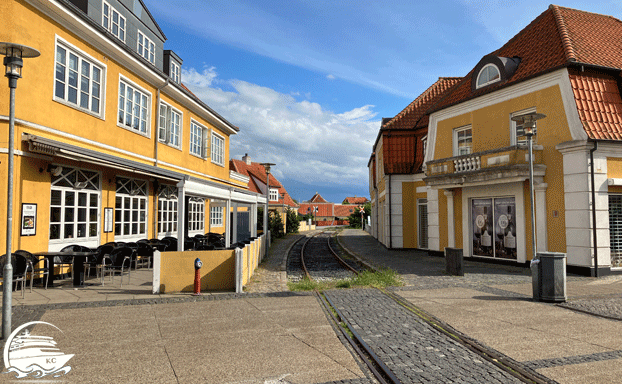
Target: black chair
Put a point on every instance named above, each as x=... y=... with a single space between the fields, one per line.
x=37 y=266
x=134 y=246
x=119 y=261
x=144 y=253
x=206 y=247
x=158 y=244
x=98 y=260
x=20 y=266
x=172 y=244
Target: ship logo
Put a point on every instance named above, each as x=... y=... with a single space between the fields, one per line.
x=31 y=355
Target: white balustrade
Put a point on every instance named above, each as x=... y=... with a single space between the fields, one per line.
x=465 y=164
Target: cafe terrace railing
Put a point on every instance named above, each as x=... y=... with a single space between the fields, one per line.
x=481 y=161
x=222 y=270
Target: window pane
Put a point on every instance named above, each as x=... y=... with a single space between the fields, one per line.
x=81 y=214
x=56 y=197
x=92 y=230
x=81 y=230
x=68 y=231
x=54 y=231
x=55 y=215
x=93 y=214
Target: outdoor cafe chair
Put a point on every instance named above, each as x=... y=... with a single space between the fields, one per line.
x=119 y=261
x=144 y=253
x=20 y=265
x=98 y=260
x=37 y=266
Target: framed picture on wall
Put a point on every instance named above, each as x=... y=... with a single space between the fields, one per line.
x=108 y=220
x=29 y=219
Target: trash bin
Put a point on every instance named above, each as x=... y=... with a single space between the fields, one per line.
x=536 y=282
x=552 y=276
x=454 y=261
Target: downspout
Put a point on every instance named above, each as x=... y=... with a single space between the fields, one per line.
x=594 y=236
x=390 y=217
x=377 y=213
x=155 y=162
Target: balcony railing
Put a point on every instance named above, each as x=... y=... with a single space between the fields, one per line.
x=486 y=160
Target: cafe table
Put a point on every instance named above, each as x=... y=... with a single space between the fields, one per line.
x=79 y=258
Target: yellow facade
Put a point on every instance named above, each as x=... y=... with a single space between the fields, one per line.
x=39 y=113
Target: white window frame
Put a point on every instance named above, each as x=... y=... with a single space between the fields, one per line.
x=175 y=72
x=91 y=186
x=513 y=128
x=82 y=58
x=424 y=145
x=274 y=194
x=138 y=192
x=147 y=48
x=124 y=84
x=199 y=145
x=167 y=211
x=481 y=72
x=121 y=27
x=456 y=137
x=615 y=228
x=216 y=216
x=218 y=150
x=196 y=216
x=170 y=125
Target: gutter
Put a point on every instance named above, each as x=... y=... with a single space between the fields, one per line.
x=594 y=235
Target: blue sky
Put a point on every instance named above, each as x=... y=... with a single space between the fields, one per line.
x=308 y=81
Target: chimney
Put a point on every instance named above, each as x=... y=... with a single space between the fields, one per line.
x=247 y=159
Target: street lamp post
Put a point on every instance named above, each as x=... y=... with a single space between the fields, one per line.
x=528 y=122
x=13 y=55
x=265 y=214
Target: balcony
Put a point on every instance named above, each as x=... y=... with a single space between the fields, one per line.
x=503 y=164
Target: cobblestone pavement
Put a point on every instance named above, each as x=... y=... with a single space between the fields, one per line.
x=413 y=350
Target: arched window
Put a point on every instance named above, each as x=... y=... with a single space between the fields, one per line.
x=488 y=75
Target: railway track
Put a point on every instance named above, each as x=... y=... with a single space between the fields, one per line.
x=318 y=258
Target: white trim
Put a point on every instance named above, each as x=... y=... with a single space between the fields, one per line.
x=239 y=177
x=17 y=152
x=478 y=85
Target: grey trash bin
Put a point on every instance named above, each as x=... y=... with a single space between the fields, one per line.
x=552 y=276
x=454 y=261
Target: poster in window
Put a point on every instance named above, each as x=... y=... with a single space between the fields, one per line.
x=483 y=228
x=108 y=220
x=29 y=219
x=505 y=228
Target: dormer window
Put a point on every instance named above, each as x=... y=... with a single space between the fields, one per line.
x=146 y=47
x=113 y=21
x=488 y=75
x=175 y=72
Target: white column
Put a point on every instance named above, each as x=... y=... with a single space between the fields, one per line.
x=434 y=241
x=225 y=219
x=234 y=223
x=451 y=236
x=253 y=219
x=541 y=230
x=181 y=217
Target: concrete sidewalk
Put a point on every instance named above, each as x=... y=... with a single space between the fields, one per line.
x=493 y=305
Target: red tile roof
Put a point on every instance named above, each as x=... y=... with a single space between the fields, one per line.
x=355 y=200
x=256 y=172
x=345 y=210
x=401 y=135
x=565 y=37
x=317 y=198
x=324 y=209
x=599 y=104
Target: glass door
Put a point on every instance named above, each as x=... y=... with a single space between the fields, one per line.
x=494 y=227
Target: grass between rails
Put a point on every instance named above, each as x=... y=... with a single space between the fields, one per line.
x=381 y=279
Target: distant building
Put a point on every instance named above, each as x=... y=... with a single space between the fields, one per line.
x=327 y=213
x=279 y=200
x=355 y=200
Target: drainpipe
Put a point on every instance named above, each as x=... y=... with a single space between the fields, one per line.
x=377 y=213
x=390 y=217
x=594 y=208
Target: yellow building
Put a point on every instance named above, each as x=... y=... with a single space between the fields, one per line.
x=109 y=144
x=564 y=65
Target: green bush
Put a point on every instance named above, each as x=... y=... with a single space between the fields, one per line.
x=293 y=223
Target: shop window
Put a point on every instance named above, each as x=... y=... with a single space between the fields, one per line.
x=196 y=216
x=167 y=211
x=74 y=204
x=131 y=208
x=215 y=216
x=422 y=223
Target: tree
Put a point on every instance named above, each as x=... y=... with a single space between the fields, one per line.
x=275 y=224
x=355 y=217
x=293 y=223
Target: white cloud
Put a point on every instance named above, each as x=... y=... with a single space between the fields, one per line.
x=330 y=77
x=308 y=143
